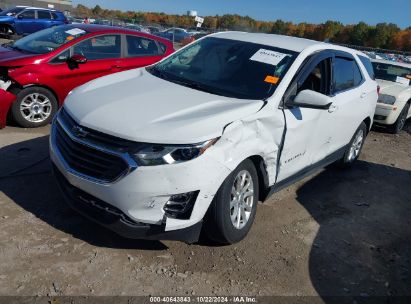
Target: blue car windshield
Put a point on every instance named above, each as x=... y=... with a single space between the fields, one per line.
x=227 y=67
x=12 y=11
x=48 y=40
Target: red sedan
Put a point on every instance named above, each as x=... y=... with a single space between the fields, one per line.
x=38 y=71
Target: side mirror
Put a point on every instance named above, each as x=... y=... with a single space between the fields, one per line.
x=74 y=61
x=310 y=99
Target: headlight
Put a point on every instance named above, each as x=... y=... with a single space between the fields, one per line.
x=387 y=99
x=155 y=154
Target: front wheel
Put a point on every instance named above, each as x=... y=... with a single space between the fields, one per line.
x=34 y=107
x=233 y=209
x=355 y=146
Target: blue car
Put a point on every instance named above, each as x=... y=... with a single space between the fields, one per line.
x=174 y=34
x=22 y=20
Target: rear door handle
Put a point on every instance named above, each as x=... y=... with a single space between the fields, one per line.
x=363 y=95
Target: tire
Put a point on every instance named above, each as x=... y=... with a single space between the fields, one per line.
x=34 y=107
x=400 y=123
x=354 y=148
x=221 y=224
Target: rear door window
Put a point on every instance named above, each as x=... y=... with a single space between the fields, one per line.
x=140 y=46
x=346 y=74
x=43 y=15
x=101 y=47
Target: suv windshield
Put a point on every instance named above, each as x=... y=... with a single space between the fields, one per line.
x=47 y=40
x=392 y=72
x=227 y=67
x=12 y=11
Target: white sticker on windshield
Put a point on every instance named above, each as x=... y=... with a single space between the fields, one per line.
x=9 y=14
x=402 y=80
x=75 y=31
x=267 y=56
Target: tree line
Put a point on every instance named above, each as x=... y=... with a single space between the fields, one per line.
x=382 y=35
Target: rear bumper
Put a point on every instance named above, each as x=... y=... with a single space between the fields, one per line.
x=6 y=99
x=387 y=114
x=117 y=221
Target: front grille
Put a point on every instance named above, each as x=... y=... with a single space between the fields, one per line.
x=84 y=158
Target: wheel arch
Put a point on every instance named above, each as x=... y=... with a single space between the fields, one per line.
x=40 y=86
x=367 y=122
x=263 y=184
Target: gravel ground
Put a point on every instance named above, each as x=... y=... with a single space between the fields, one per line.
x=334 y=233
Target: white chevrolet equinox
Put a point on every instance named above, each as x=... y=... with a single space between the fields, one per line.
x=193 y=142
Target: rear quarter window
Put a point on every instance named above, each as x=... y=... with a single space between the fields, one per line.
x=368 y=66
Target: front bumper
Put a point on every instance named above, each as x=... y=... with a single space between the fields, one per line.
x=115 y=220
x=386 y=114
x=6 y=100
x=142 y=193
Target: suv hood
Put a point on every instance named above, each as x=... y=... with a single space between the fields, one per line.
x=6 y=19
x=392 y=88
x=138 y=106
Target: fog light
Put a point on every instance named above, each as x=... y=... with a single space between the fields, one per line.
x=180 y=206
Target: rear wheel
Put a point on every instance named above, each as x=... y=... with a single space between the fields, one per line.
x=355 y=146
x=233 y=209
x=400 y=123
x=34 y=107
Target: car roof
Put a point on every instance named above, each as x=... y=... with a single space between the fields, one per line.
x=402 y=64
x=98 y=28
x=36 y=8
x=279 y=41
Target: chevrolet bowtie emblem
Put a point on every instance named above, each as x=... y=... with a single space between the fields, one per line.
x=79 y=132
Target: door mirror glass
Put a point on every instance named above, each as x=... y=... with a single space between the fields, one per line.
x=310 y=99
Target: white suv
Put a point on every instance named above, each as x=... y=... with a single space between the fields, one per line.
x=195 y=141
x=393 y=107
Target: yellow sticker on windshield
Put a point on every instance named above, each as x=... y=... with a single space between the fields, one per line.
x=69 y=38
x=271 y=79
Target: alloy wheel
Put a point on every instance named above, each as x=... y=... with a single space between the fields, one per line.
x=242 y=199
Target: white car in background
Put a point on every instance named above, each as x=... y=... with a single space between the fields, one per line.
x=195 y=141
x=393 y=107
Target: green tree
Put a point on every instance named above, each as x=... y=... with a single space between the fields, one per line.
x=97 y=10
x=359 y=34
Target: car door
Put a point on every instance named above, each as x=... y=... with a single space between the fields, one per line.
x=305 y=139
x=43 y=19
x=26 y=22
x=351 y=97
x=104 y=56
x=141 y=51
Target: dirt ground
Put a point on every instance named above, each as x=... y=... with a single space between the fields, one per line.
x=335 y=233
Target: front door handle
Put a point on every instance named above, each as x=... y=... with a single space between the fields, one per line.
x=332 y=108
x=363 y=95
